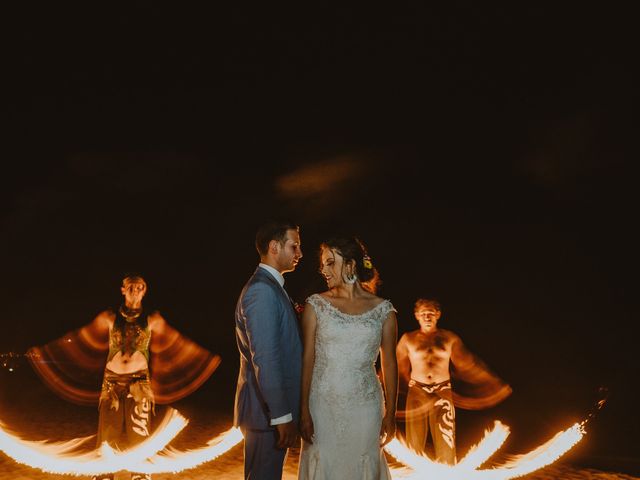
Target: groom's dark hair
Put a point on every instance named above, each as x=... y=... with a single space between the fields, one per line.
x=272 y=230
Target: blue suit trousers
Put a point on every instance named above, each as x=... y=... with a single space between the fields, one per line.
x=262 y=459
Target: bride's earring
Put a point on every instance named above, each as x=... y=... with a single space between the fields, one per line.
x=351 y=278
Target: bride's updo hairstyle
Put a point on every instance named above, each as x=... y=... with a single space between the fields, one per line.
x=351 y=248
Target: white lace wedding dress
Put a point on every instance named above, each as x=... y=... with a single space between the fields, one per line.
x=346 y=400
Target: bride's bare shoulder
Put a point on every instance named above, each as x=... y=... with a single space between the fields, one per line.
x=373 y=299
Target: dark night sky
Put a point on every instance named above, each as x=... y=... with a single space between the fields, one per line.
x=485 y=154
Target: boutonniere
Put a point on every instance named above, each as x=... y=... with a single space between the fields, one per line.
x=299 y=308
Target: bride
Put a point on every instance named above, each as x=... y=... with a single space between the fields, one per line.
x=344 y=423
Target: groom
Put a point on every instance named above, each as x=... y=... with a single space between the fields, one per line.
x=268 y=390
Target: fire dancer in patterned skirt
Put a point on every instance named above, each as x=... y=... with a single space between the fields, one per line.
x=137 y=343
x=425 y=356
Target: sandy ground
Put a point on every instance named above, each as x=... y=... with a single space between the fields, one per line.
x=38 y=416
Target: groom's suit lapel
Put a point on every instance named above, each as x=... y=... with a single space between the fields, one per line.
x=285 y=294
x=265 y=274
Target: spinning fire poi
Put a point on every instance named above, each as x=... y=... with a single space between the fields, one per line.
x=148 y=362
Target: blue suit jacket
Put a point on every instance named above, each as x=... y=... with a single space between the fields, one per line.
x=270 y=349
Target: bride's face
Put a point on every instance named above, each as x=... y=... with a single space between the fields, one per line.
x=331 y=264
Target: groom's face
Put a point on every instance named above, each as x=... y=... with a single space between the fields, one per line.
x=289 y=252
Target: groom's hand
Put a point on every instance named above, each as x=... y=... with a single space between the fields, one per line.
x=287 y=435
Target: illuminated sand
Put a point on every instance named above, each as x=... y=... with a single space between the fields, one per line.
x=229 y=465
x=154 y=455
x=60 y=421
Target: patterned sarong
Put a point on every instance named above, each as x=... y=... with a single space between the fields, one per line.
x=126 y=407
x=430 y=410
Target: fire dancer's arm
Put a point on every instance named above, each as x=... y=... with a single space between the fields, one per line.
x=178 y=365
x=461 y=358
x=72 y=365
x=468 y=365
x=487 y=389
x=404 y=363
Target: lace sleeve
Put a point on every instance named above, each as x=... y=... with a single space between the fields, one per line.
x=316 y=302
x=386 y=307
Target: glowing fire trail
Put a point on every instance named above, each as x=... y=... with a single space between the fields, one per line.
x=59 y=457
x=521 y=465
x=542 y=456
x=175 y=461
x=421 y=466
x=56 y=458
x=171 y=425
x=153 y=456
x=476 y=456
x=490 y=443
